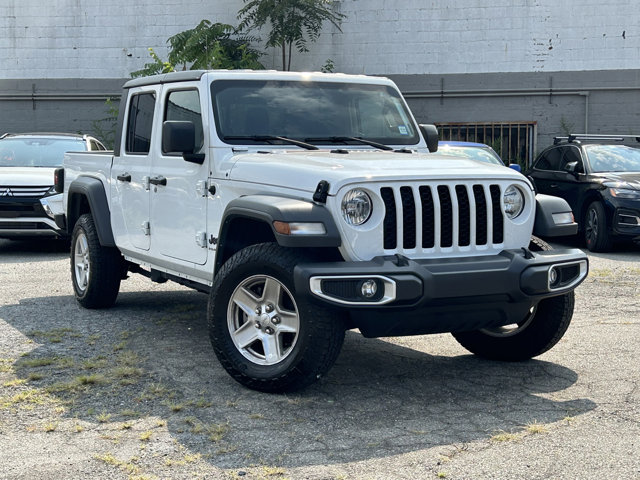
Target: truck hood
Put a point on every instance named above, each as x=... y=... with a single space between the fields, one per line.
x=26 y=176
x=303 y=170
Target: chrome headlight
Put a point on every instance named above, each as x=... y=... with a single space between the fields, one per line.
x=356 y=207
x=513 y=200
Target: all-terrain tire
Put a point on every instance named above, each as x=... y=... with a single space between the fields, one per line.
x=95 y=270
x=539 y=331
x=266 y=336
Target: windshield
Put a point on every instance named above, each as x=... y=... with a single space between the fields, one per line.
x=613 y=158
x=310 y=111
x=473 y=153
x=37 y=152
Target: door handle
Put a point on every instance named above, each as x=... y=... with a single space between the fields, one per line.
x=554 y=185
x=124 y=177
x=160 y=180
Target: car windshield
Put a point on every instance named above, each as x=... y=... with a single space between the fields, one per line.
x=613 y=158
x=473 y=153
x=36 y=152
x=314 y=112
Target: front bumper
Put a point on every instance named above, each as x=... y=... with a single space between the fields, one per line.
x=25 y=217
x=441 y=295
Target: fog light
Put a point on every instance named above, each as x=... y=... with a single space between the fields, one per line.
x=553 y=277
x=369 y=288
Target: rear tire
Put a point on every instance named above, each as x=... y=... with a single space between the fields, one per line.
x=538 y=332
x=264 y=335
x=95 y=270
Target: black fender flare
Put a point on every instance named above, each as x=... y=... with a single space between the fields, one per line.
x=93 y=190
x=269 y=209
x=546 y=206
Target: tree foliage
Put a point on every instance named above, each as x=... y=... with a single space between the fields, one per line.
x=292 y=22
x=208 y=45
x=213 y=45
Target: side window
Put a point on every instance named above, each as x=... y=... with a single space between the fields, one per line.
x=571 y=154
x=139 y=123
x=184 y=105
x=550 y=160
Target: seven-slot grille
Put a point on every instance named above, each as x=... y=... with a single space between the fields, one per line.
x=441 y=216
x=24 y=191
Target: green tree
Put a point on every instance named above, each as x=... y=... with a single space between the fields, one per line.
x=292 y=22
x=208 y=45
x=213 y=45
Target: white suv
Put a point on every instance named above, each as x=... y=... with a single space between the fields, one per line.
x=27 y=164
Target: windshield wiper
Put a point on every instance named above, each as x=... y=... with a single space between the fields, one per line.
x=269 y=138
x=349 y=139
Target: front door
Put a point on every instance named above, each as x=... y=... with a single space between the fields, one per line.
x=178 y=188
x=130 y=172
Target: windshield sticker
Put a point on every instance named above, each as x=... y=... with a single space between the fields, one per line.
x=403 y=130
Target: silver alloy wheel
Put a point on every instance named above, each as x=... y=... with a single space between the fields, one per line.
x=81 y=262
x=263 y=320
x=514 y=328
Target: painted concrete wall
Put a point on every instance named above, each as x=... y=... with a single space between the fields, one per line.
x=109 y=38
x=59 y=60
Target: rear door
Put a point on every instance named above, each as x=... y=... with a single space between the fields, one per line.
x=179 y=189
x=130 y=171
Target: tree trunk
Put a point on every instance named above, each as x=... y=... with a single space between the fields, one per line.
x=284 y=59
x=289 y=64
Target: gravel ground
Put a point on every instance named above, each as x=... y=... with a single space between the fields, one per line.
x=135 y=392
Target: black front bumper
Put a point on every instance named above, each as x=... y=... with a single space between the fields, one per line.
x=441 y=295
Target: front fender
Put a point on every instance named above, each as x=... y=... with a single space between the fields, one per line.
x=269 y=209
x=545 y=225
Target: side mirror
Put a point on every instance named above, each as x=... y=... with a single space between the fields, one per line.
x=516 y=167
x=430 y=134
x=572 y=168
x=180 y=137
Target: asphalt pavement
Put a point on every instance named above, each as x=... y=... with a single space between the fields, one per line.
x=135 y=392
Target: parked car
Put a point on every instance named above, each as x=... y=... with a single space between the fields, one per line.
x=473 y=151
x=27 y=196
x=561 y=221
x=600 y=179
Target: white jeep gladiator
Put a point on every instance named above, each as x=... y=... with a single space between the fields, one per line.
x=306 y=204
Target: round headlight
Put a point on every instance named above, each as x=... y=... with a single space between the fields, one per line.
x=356 y=207
x=513 y=202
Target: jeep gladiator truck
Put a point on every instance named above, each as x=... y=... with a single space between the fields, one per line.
x=306 y=204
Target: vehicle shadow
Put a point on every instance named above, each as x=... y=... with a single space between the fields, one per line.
x=150 y=357
x=12 y=251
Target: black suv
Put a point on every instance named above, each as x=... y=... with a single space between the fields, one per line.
x=600 y=179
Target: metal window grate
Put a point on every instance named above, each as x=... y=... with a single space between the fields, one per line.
x=513 y=141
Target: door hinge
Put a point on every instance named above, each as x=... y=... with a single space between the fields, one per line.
x=201 y=239
x=146 y=228
x=201 y=188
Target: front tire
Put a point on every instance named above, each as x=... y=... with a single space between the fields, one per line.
x=596 y=236
x=265 y=336
x=539 y=331
x=95 y=270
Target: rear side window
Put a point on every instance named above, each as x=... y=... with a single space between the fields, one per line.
x=140 y=122
x=184 y=105
x=549 y=160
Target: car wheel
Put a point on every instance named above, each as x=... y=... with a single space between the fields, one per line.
x=265 y=336
x=596 y=236
x=95 y=270
x=542 y=327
